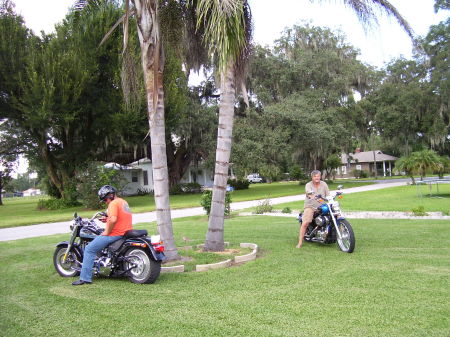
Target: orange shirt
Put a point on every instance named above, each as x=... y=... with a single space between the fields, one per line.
x=119 y=208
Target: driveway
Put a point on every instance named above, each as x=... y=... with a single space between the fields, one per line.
x=23 y=232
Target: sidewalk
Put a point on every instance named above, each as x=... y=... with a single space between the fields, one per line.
x=23 y=232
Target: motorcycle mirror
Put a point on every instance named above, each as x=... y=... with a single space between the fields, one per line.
x=340 y=187
x=75 y=215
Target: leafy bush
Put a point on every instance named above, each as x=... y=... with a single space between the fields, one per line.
x=241 y=184
x=53 y=204
x=303 y=182
x=264 y=207
x=95 y=176
x=419 y=211
x=286 y=210
x=186 y=188
x=360 y=174
x=206 y=201
x=145 y=191
x=296 y=173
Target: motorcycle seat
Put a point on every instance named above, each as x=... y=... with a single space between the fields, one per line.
x=135 y=233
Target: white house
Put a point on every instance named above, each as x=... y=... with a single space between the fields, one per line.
x=139 y=175
x=31 y=192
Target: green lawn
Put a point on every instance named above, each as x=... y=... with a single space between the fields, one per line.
x=401 y=198
x=396 y=283
x=23 y=211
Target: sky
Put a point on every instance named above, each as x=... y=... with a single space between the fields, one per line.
x=377 y=46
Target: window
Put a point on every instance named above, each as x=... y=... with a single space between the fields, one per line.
x=344 y=169
x=134 y=177
x=145 y=176
x=358 y=167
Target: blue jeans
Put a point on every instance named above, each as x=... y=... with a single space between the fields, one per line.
x=90 y=254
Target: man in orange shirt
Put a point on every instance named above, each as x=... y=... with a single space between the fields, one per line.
x=119 y=221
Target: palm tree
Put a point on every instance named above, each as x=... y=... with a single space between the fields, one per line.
x=152 y=57
x=227 y=34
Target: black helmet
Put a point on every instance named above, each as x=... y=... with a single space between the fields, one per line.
x=106 y=190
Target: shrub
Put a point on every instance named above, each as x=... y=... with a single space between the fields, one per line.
x=286 y=210
x=95 y=176
x=360 y=174
x=241 y=184
x=264 y=207
x=193 y=188
x=206 y=201
x=53 y=204
x=186 y=188
x=303 y=182
x=296 y=173
x=145 y=191
x=419 y=211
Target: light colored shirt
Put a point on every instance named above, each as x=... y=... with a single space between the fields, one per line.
x=322 y=189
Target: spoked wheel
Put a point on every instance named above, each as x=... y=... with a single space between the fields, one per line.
x=141 y=268
x=347 y=241
x=67 y=268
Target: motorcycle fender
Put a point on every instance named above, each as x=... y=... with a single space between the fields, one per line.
x=75 y=247
x=129 y=243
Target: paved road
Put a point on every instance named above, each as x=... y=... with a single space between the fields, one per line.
x=23 y=232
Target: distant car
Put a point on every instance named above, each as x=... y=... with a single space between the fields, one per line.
x=254 y=178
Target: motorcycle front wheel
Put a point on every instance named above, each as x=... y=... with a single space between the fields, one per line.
x=65 y=268
x=141 y=268
x=347 y=241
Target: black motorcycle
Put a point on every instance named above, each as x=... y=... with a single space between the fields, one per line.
x=329 y=226
x=135 y=255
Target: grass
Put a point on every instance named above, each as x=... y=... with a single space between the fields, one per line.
x=401 y=198
x=23 y=211
x=394 y=284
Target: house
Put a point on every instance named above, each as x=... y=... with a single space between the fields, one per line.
x=31 y=192
x=364 y=161
x=139 y=175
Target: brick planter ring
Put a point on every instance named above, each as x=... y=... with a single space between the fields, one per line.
x=173 y=269
x=205 y=267
x=247 y=257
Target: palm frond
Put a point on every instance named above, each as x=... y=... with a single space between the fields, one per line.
x=113 y=28
x=364 y=9
x=225 y=28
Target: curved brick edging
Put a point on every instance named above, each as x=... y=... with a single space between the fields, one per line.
x=218 y=265
x=247 y=257
x=173 y=269
x=223 y=264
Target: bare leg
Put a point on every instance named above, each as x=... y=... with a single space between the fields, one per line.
x=302 y=234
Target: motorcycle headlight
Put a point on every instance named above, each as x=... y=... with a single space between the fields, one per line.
x=336 y=207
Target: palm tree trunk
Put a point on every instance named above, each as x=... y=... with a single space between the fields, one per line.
x=214 y=237
x=153 y=65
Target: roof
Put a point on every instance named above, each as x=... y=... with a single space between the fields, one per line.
x=116 y=166
x=367 y=157
x=140 y=161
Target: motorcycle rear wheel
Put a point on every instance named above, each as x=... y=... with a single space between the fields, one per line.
x=347 y=241
x=143 y=268
x=67 y=268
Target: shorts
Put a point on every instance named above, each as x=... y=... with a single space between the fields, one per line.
x=308 y=214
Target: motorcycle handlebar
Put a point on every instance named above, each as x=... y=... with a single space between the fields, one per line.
x=98 y=215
